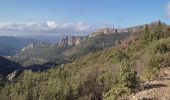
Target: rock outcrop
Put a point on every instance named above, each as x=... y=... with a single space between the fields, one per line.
x=71 y=40
x=33 y=45
x=14 y=74
x=108 y=31
x=104 y=31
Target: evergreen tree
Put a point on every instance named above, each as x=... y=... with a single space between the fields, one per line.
x=146 y=35
x=159 y=32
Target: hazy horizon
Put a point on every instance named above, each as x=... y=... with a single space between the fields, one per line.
x=60 y=18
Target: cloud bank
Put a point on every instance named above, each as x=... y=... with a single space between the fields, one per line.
x=49 y=27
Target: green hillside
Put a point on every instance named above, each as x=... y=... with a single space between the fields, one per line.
x=106 y=74
x=65 y=54
x=42 y=55
x=97 y=43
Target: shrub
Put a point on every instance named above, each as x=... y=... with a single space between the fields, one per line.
x=2 y=81
x=127 y=76
x=120 y=55
x=117 y=90
x=157 y=57
x=167 y=33
x=152 y=68
x=125 y=82
x=161 y=47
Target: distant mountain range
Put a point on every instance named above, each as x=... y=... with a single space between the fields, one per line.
x=12 y=45
x=30 y=52
x=45 y=38
x=70 y=47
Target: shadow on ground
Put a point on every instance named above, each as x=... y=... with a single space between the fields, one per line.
x=151 y=86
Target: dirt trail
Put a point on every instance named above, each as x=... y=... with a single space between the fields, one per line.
x=155 y=90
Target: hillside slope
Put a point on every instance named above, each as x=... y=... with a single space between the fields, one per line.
x=7 y=66
x=46 y=52
x=66 y=53
x=96 y=43
x=108 y=74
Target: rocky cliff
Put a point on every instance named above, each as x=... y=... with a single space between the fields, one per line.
x=71 y=40
x=33 y=45
x=116 y=31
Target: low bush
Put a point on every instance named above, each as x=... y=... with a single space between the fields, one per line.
x=125 y=82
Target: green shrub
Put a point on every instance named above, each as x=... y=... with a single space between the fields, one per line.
x=161 y=47
x=120 y=56
x=3 y=81
x=127 y=76
x=125 y=82
x=151 y=70
x=156 y=57
x=116 y=91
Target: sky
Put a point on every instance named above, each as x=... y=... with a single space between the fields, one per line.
x=77 y=17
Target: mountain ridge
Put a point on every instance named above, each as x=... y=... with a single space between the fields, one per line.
x=11 y=45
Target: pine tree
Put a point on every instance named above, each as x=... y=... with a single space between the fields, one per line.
x=159 y=32
x=146 y=35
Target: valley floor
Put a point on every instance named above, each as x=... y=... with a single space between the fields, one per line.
x=156 y=90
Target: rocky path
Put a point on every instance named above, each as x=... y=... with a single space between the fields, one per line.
x=155 y=90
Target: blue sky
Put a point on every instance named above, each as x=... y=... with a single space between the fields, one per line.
x=86 y=13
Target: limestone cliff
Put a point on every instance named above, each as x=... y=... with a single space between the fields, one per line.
x=116 y=31
x=33 y=45
x=71 y=40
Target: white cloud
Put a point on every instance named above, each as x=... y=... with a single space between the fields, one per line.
x=49 y=27
x=168 y=10
x=52 y=24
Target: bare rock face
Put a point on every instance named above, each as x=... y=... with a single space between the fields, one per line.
x=71 y=40
x=14 y=74
x=108 y=31
x=33 y=45
x=104 y=31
